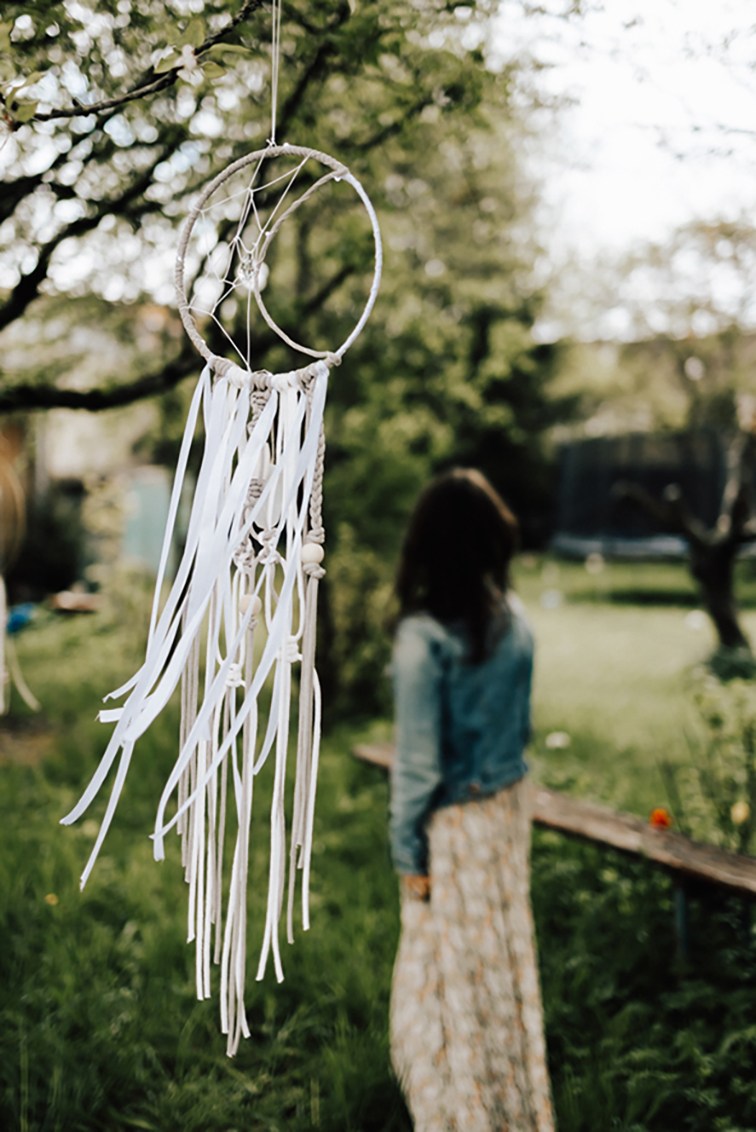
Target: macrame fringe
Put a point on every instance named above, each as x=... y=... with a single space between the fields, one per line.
x=251 y=562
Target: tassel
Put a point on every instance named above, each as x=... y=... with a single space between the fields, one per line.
x=251 y=559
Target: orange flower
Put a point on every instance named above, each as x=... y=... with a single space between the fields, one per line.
x=660 y=818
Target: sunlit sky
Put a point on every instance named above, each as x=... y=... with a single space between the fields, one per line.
x=656 y=123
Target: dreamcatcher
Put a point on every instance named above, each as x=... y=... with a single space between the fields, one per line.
x=240 y=616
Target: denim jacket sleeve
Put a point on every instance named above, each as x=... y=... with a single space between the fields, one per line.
x=416 y=775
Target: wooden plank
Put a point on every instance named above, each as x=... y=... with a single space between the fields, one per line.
x=627 y=833
x=379 y=754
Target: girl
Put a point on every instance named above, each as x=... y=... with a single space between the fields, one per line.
x=466 y=1020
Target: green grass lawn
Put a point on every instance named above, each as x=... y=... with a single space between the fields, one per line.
x=99 y=1028
x=615 y=675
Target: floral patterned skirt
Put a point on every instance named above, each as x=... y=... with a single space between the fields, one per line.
x=467 y=1040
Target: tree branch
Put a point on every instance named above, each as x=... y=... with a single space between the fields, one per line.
x=316 y=30
x=314 y=69
x=380 y=137
x=145 y=87
x=12 y=192
x=27 y=289
x=30 y=397
x=734 y=525
x=736 y=497
x=670 y=511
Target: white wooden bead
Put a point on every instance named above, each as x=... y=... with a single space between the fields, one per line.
x=250 y=599
x=312 y=554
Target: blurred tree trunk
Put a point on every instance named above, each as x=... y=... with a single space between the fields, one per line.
x=712 y=552
x=713 y=567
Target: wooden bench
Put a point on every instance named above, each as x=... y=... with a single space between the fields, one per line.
x=589 y=821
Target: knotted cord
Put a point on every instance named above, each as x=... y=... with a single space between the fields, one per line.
x=275 y=66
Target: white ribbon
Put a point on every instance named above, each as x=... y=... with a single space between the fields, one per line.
x=221 y=590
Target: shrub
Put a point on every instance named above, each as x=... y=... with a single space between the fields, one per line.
x=714 y=795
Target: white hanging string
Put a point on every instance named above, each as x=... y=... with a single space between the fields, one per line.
x=275 y=66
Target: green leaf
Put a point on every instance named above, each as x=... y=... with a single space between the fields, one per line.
x=213 y=70
x=218 y=50
x=194 y=34
x=25 y=111
x=26 y=81
x=167 y=63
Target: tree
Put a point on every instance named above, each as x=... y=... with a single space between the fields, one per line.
x=108 y=189
x=712 y=551
x=447 y=369
x=675 y=341
x=690 y=303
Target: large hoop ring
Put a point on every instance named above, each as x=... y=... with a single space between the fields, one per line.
x=337 y=172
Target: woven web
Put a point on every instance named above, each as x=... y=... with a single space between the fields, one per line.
x=231 y=238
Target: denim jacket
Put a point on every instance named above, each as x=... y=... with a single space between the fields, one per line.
x=461 y=728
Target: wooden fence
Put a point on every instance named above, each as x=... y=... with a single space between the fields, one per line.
x=684 y=858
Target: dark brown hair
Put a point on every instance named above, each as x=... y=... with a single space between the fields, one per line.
x=456 y=554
